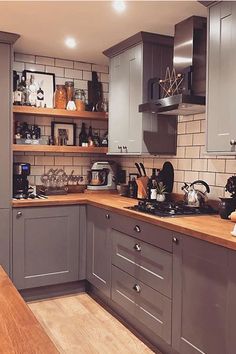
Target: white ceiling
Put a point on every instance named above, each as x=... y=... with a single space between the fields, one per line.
x=43 y=25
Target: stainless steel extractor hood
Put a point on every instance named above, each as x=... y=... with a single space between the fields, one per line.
x=189 y=63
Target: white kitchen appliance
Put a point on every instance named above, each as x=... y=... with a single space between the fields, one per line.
x=102 y=176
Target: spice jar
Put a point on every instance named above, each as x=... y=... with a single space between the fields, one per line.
x=69 y=90
x=80 y=100
x=60 y=97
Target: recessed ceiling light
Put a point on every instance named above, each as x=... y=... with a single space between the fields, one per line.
x=119 y=5
x=70 y=42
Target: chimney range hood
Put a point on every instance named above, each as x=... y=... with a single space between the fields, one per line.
x=190 y=61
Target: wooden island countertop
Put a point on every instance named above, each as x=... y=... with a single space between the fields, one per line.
x=210 y=228
x=20 y=331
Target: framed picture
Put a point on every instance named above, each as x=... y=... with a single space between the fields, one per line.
x=63 y=133
x=45 y=83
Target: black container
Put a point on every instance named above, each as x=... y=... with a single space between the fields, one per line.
x=226 y=207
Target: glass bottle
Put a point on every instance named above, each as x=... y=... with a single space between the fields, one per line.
x=90 y=137
x=83 y=137
x=40 y=97
x=60 y=97
x=69 y=85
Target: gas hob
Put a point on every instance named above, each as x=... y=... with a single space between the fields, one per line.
x=171 y=209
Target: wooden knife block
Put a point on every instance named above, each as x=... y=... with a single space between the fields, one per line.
x=142 y=183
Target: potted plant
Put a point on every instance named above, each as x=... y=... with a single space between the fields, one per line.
x=161 y=192
x=228 y=205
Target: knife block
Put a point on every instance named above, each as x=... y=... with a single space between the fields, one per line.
x=142 y=183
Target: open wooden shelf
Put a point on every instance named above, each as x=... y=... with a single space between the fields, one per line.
x=60 y=113
x=55 y=148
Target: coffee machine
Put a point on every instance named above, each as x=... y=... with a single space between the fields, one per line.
x=102 y=176
x=20 y=182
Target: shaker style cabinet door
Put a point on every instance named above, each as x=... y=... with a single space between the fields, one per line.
x=45 y=246
x=221 y=105
x=118 y=103
x=98 y=249
x=5 y=118
x=200 y=272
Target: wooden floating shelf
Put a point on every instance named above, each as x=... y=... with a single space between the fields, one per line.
x=64 y=149
x=60 y=113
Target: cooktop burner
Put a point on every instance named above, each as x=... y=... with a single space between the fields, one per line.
x=171 y=209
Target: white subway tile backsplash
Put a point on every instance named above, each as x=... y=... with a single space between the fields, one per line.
x=82 y=66
x=87 y=75
x=104 y=77
x=215 y=165
x=19 y=67
x=190 y=176
x=192 y=152
x=44 y=160
x=100 y=68
x=181 y=128
x=184 y=164
x=45 y=60
x=193 y=127
x=26 y=58
x=208 y=177
x=221 y=179
x=199 y=139
x=54 y=70
x=81 y=84
x=231 y=166
x=64 y=63
x=185 y=140
x=35 y=67
x=72 y=73
x=199 y=164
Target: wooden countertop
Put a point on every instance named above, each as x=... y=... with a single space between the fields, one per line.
x=20 y=332
x=210 y=228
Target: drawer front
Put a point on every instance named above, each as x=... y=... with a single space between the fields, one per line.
x=153 y=234
x=147 y=263
x=148 y=306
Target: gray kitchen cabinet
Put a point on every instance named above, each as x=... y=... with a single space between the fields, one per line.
x=132 y=63
x=45 y=246
x=99 y=249
x=6 y=53
x=221 y=104
x=200 y=297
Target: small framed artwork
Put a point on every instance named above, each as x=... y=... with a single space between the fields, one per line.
x=63 y=133
x=43 y=84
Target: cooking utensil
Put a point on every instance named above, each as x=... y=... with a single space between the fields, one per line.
x=194 y=197
x=139 y=169
x=166 y=176
x=143 y=168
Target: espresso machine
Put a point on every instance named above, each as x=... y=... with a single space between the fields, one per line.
x=20 y=182
x=102 y=176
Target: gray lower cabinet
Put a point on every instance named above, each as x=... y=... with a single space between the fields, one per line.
x=45 y=246
x=5 y=239
x=200 y=297
x=98 y=249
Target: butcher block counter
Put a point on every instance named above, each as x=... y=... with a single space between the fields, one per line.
x=20 y=332
x=210 y=228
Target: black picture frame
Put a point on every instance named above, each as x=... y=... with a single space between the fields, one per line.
x=55 y=126
x=49 y=89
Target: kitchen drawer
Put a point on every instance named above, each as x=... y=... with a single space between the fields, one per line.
x=146 y=305
x=153 y=234
x=145 y=262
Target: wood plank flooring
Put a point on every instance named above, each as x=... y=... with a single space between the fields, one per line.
x=79 y=325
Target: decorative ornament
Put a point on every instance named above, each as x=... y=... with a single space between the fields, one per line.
x=171 y=85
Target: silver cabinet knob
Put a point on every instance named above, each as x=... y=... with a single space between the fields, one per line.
x=125 y=148
x=137 y=247
x=137 y=288
x=232 y=142
x=107 y=216
x=137 y=228
x=18 y=214
x=175 y=240
x=120 y=148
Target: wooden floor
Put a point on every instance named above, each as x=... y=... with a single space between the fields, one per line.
x=78 y=324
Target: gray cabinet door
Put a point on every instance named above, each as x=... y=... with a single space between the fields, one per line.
x=221 y=105
x=118 y=103
x=5 y=239
x=5 y=99
x=200 y=271
x=99 y=249
x=45 y=246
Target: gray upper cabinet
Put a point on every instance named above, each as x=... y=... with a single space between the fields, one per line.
x=132 y=63
x=200 y=297
x=99 y=249
x=221 y=103
x=45 y=246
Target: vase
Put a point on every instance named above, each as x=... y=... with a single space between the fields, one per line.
x=226 y=207
x=161 y=197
